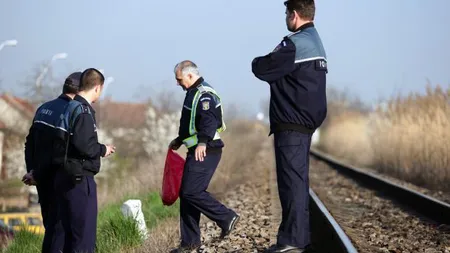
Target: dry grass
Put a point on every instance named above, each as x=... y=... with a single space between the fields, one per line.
x=347 y=137
x=243 y=141
x=163 y=237
x=409 y=139
x=134 y=177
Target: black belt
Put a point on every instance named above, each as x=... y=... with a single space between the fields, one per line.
x=289 y=126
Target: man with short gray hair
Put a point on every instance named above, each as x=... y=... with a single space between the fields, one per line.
x=200 y=126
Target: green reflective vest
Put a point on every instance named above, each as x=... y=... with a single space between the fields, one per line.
x=192 y=140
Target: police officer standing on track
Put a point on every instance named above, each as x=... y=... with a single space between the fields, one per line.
x=296 y=72
x=200 y=126
x=39 y=159
x=75 y=184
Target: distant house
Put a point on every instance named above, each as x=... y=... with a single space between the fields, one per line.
x=120 y=115
x=16 y=115
x=124 y=122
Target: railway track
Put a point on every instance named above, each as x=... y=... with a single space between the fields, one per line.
x=344 y=217
x=326 y=234
x=427 y=206
x=376 y=214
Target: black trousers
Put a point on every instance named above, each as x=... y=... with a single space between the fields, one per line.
x=54 y=233
x=194 y=199
x=77 y=207
x=292 y=164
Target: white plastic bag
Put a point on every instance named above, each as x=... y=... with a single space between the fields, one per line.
x=133 y=208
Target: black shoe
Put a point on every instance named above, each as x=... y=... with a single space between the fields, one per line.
x=185 y=249
x=278 y=248
x=230 y=227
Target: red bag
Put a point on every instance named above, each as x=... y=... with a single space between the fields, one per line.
x=173 y=173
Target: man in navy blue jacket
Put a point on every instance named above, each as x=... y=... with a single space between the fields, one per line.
x=296 y=72
x=75 y=183
x=41 y=142
x=201 y=123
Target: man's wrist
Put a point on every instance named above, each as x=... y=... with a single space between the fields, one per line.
x=202 y=139
x=102 y=150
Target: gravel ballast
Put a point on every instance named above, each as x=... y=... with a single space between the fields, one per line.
x=374 y=223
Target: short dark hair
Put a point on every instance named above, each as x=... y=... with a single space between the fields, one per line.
x=90 y=78
x=72 y=83
x=306 y=9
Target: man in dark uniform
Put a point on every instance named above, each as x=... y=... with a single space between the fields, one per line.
x=200 y=126
x=40 y=158
x=75 y=184
x=296 y=71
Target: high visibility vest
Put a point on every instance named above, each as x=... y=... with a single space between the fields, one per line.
x=192 y=140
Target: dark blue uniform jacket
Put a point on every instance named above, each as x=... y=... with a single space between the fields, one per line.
x=44 y=145
x=84 y=149
x=296 y=71
x=207 y=120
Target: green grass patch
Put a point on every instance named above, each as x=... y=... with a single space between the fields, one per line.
x=114 y=231
x=25 y=242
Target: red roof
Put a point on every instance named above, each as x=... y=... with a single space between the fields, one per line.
x=22 y=105
x=120 y=114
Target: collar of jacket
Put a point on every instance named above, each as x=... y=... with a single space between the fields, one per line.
x=65 y=97
x=84 y=101
x=197 y=83
x=304 y=26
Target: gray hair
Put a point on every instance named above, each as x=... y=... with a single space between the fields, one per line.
x=187 y=67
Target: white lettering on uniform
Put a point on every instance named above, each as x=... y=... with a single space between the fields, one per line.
x=46 y=112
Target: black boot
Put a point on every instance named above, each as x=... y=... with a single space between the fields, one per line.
x=230 y=227
x=182 y=249
x=279 y=248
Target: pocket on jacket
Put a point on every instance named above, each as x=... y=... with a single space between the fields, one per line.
x=74 y=167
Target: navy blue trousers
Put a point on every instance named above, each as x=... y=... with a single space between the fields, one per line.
x=292 y=162
x=194 y=199
x=77 y=208
x=54 y=233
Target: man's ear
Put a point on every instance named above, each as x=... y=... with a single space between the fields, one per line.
x=291 y=14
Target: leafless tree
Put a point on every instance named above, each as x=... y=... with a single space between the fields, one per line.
x=48 y=89
x=167 y=101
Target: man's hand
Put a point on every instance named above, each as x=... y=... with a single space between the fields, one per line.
x=175 y=144
x=200 y=152
x=110 y=149
x=28 y=179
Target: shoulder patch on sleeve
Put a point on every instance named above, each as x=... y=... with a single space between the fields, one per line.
x=205 y=105
x=282 y=44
